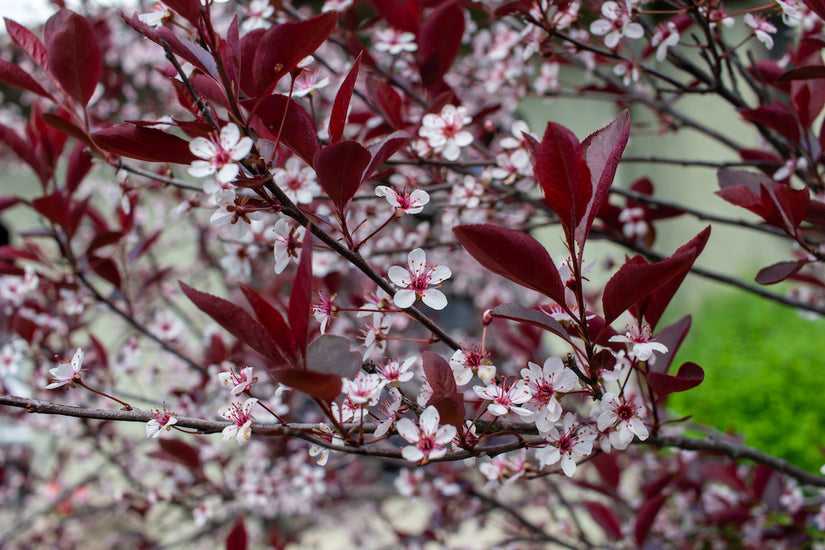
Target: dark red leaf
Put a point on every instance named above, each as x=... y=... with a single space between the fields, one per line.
x=300 y=297
x=653 y=307
x=340 y=168
x=608 y=468
x=273 y=322
x=778 y=272
x=188 y=9
x=606 y=518
x=776 y=117
x=73 y=55
x=388 y=102
x=439 y=39
x=689 y=376
x=646 y=515
x=295 y=128
x=20 y=147
x=602 y=152
x=561 y=169
x=316 y=384
x=143 y=246
x=380 y=153
x=236 y=539
x=330 y=354
x=401 y=14
x=637 y=279
x=232 y=58
x=236 y=321
x=817 y=6
x=445 y=397
x=67 y=127
x=522 y=314
x=671 y=337
x=27 y=40
x=340 y=107
x=282 y=46
x=80 y=163
x=180 y=451
x=803 y=73
x=14 y=75
x=520 y=7
x=106 y=268
x=513 y=255
x=138 y=142
x=104 y=239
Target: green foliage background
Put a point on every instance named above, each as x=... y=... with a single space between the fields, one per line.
x=764 y=375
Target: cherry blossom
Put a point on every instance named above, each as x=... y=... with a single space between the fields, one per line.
x=544 y=384
x=445 y=131
x=504 y=468
x=297 y=180
x=238 y=383
x=642 y=340
x=406 y=202
x=159 y=15
x=664 y=37
x=394 y=41
x=66 y=373
x=220 y=153
x=160 y=420
x=472 y=362
x=364 y=389
x=232 y=210
x=257 y=12
x=323 y=453
x=396 y=372
x=336 y=5
x=375 y=334
x=288 y=239
x=429 y=440
x=241 y=417
x=616 y=23
x=624 y=415
x=390 y=409
x=761 y=28
x=419 y=280
x=308 y=84
x=634 y=224
x=791 y=15
x=571 y=442
x=325 y=310
x=505 y=399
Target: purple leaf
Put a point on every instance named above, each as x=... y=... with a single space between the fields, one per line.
x=300 y=298
x=73 y=55
x=272 y=320
x=529 y=316
x=646 y=515
x=689 y=376
x=340 y=107
x=316 y=384
x=139 y=142
x=340 y=168
x=330 y=354
x=285 y=118
x=778 y=272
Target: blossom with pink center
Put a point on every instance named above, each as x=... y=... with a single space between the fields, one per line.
x=504 y=399
x=545 y=383
x=445 y=131
x=395 y=371
x=616 y=23
x=571 y=442
x=664 y=37
x=220 y=153
x=289 y=240
x=472 y=362
x=322 y=452
x=468 y=193
x=504 y=468
x=406 y=202
x=364 y=389
x=241 y=417
x=761 y=28
x=394 y=41
x=336 y=5
x=238 y=382
x=419 y=280
x=633 y=222
x=325 y=310
x=791 y=15
x=390 y=410
x=375 y=331
x=257 y=13
x=158 y=15
x=308 y=84
x=297 y=181
x=623 y=414
x=160 y=420
x=642 y=340
x=429 y=440
x=234 y=212
x=66 y=373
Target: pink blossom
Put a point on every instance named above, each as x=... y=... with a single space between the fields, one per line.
x=220 y=153
x=297 y=181
x=160 y=420
x=325 y=310
x=505 y=468
x=241 y=417
x=406 y=202
x=664 y=37
x=572 y=441
x=624 y=415
x=472 y=362
x=66 y=373
x=395 y=371
x=445 y=131
x=308 y=84
x=505 y=399
x=616 y=23
x=158 y=15
x=419 y=280
x=761 y=28
x=394 y=41
x=238 y=382
x=429 y=440
x=634 y=224
x=288 y=239
x=257 y=13
x=364 y=389
x=544 y=384
x=642 y=340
